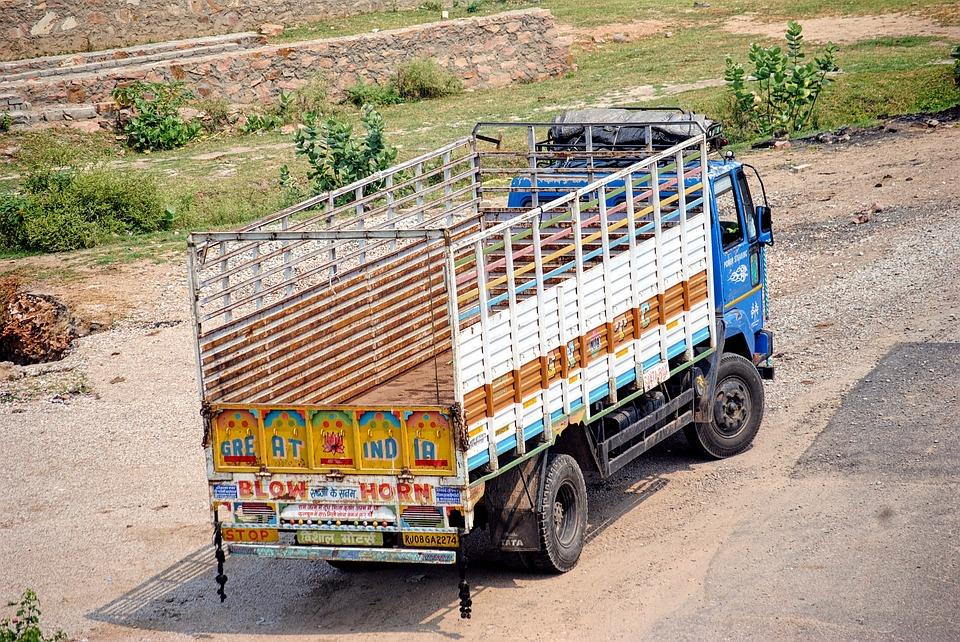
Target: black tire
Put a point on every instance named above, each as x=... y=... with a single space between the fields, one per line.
x=737 y=411
x=562 y=517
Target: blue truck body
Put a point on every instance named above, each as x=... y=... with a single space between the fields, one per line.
x=739 y=250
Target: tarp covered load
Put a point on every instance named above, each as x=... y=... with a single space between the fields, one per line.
x=612 y=128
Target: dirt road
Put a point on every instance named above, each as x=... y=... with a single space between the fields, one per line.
x=840 y=522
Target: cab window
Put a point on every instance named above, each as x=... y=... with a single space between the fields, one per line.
x=747 y=201
x=728 y=217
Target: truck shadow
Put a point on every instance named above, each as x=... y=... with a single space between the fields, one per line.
x=294 y=597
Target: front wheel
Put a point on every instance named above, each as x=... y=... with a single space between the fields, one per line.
x=737 y=410
x=562 y=517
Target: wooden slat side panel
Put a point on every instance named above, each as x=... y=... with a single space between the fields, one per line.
x=329 y=347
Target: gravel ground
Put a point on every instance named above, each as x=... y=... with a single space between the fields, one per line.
x=106 y=498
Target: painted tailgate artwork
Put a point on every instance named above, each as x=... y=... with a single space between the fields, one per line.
x=332 y=471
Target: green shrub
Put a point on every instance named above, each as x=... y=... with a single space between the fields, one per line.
x=156 y=122
x=216 y=113
x=66 y=202
x=432 y=5
x=312 y=98
x=955 y=54
x=336 y=155
x=423 y=78
x=373 y=94
x=12 y=232
x=261 y=122
x=781 y=92
x=6 y=122
x=474 y=6
x=25 y=627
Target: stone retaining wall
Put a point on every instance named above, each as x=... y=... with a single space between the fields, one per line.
x=31 y=28
x=489 y=51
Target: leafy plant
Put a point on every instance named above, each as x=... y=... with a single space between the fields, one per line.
x=423 y=78
x=12 y=232
x=6 y=122
x=432 y=5
x=68 y=201
x=373 y=94
x=261 y=122
x=280 y=114
x=156 y=122
x=955 y=54
x=474 y=6
x=336 y=155
x=25 y=626
x=312 y=98
x=780 y=93
x=216 y=113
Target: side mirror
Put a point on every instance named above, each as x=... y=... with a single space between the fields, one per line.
x=764 y=225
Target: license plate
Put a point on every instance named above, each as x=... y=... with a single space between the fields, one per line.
x=429 y=540
x=339 y=538
x=250 y=535
x=655 y=375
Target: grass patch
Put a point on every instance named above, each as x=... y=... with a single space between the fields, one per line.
x=894 y=41
x=584 y=15
x=860 y=99
x=384 y=20
x=224 y=180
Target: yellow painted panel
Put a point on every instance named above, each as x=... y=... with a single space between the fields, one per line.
x=333 y=435
x=429 y=444
x=381 y=433
x=285 y=439
x=236 y=440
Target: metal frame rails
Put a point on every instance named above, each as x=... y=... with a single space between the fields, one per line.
x=559 y=307
x=546 y=312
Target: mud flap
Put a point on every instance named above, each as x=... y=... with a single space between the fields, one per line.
x=513 y=502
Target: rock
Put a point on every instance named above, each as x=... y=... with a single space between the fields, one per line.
x=782 y=144
x=82 y=112
x=45 y=25
x=89 y=126
x=619 y=37
x=933 y=122
x=270 y=29
x=34 y=328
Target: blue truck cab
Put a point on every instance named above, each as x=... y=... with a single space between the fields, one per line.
x=742 y=229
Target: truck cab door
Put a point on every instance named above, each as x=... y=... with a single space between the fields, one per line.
x=737 y=256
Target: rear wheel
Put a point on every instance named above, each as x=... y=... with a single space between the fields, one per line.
x=562 y=517
x=737 y=410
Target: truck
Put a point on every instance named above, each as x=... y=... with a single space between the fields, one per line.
x=449 y=344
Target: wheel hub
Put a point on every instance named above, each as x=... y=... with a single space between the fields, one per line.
x=558 y=515
x=565 y=514
x=732 y=410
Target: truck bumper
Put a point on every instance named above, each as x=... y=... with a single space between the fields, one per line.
x=764 y=351
x=400 y=555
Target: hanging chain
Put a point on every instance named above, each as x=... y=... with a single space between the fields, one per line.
x=221 y=557
x=466 y=604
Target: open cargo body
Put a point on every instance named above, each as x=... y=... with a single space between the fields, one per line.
x=369 y=357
